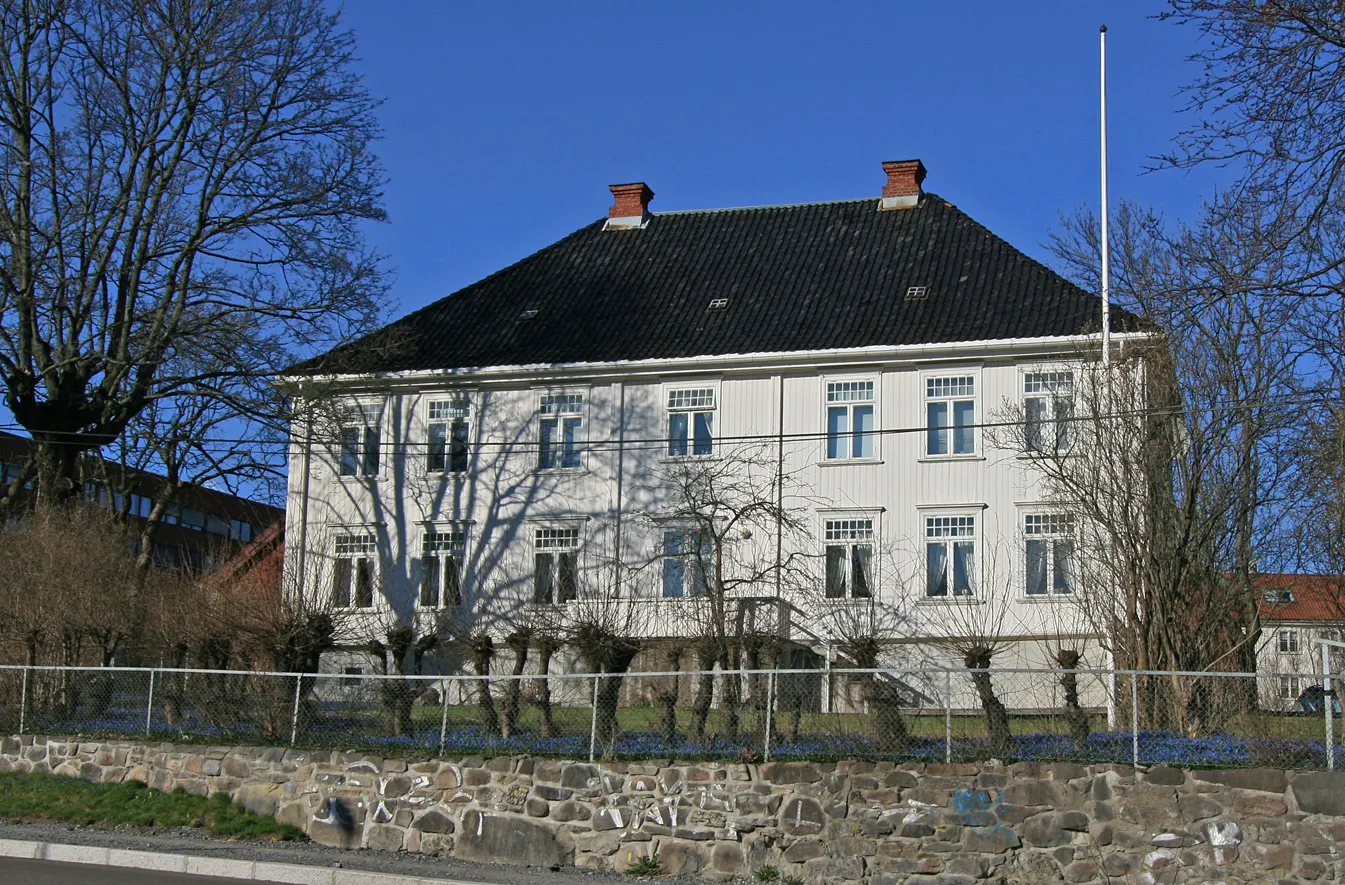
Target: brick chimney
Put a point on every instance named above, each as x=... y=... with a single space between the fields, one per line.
x=631 y=206
x=902 y=190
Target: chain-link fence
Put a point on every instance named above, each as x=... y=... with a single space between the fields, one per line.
x=949 y=715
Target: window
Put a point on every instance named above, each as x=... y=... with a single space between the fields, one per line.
x=441 y=564
x=240 y=530
x=950 y=555
x=141 y=505
x=191 y=519
x=849 y=545
x=686 y=563
x=359 y=441
x=555 y=565
x=1278 y=597
x=1289 y=641
x=691 y=418
x=1289 y=688
x=353 y=571
x=449 y=432
x=1048 y=409
x=850 y=430
x=561 y=433
x=950 y=407
x=216 y=526
x=352 y=677
x=1050 y=553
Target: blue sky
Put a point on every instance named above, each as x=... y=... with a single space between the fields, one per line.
x=506 y=122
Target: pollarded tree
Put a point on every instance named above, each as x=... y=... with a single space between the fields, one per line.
x=177 y=178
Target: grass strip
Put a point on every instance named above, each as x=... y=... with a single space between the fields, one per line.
x=49 y=797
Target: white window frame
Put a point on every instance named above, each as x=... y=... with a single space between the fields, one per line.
x=937 y=387
x=553 y=541
x=557 y=408
x=357 y=546
x=1050 y=528
x=847 y=533
x=451 y=453
x=687 y=404
x=1290 y=688
x=843 y=397
x=1287 y=641
x=947 y=528
x=362 y=423
x=693 y=567
x=443 y=555
x=1052 y=390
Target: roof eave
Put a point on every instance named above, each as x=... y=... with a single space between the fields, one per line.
x=1055 y=345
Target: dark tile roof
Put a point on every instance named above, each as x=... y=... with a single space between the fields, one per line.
x=797 y=278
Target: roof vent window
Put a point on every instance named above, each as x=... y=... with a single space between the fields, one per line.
x=718 y=303
x=1278 y=596
x=917 y=293
x=528 y=314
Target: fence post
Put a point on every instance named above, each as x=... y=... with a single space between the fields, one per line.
x=1327 y=711
x=294 y=723
x=443 y=720
x=770 y=706
x=149 y=704
x=593 y=723
x=948 y=716
x=1135 y=719
x=23 y=700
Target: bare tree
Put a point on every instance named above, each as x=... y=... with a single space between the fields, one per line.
x=727 y=533
x=179 y=179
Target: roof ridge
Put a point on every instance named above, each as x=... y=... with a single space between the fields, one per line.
x=765 y=206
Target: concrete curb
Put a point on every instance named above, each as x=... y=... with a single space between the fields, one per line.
x=224 y=868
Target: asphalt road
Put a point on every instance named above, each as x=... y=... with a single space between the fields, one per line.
x=49 y=872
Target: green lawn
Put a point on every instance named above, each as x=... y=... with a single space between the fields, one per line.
x=26 y=797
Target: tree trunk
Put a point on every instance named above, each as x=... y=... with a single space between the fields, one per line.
x=609 y=694
x=483 y=650
x=1075 y=716
x=513 y=690
x=732 y=675
x=667 y=698
x=978 y=660
x=705 y=693
x=546 y=726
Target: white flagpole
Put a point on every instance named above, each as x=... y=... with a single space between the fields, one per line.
x=1106 y=245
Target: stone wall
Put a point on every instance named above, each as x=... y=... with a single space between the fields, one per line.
x=846 y=822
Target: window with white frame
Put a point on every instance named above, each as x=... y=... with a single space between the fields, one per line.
x=850 y=420
x=950 y=411
x=555 y=565
x=449 y=433
x=441 y=559
x=1289 y=688
x=849 y=553
x=950 y=556
x=1289 y=641
x=1049 y=547
x=359 y=440
x=691 y=416
x=354 y=570
x=561 y=431
x=686 y=563
x=1048 y=411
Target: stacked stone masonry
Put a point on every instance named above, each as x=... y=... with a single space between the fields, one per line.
x=847 y=822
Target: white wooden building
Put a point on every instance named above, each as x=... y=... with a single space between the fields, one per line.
x=516 y=446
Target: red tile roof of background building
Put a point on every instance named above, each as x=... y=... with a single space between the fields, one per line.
x=1316 y=598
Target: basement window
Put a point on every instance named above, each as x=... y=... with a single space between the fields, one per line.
x=917 y=293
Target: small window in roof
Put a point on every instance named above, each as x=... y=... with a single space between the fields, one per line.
x=718 y=304
x=528 y=314
x=1283 y=597
x=917 y=293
